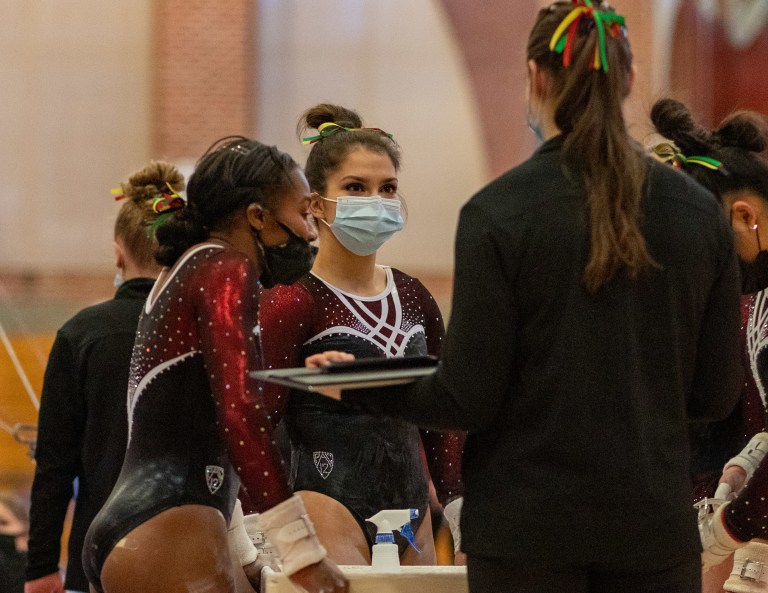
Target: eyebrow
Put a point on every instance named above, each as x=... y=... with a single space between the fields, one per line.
x=364 y=179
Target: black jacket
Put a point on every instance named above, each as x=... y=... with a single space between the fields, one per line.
x=82 y=427
x=578 y=405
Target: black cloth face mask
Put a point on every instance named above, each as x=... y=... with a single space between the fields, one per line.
x=285 y=264
x=754 y=275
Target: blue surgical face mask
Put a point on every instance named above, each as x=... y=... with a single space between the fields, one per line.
x=363 y=224
x=534 y=125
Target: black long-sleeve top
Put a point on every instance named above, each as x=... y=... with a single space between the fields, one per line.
x=82 y=426
x=577 y=404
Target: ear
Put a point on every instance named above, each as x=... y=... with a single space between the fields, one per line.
x=744 y=216
x=316 y=205
x=119 y=255
x=254 y=214
x=539 y=80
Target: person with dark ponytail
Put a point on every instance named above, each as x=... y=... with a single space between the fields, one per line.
x=82 y=425
x=350 y=303
x=595 y=313
x=198 y=427
x=731 y=162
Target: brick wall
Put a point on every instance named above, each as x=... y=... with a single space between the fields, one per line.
x=203 y=74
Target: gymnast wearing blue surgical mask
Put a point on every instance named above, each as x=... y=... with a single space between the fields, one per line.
x=362 y=224
x=346 y=465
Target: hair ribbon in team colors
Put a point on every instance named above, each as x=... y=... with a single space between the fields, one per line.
x=163 y=205
x=328 y=129
x=669 y=153
x=565 y=35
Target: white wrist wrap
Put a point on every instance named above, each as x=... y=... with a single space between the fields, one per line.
x=290 y=530
x=452 y=514
x=716 y=542
x=751 y=456
x=240 y=545
x=750 y=569
x=267 y=551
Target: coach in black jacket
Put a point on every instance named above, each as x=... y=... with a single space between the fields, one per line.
x=83 y=426
x=577 y=404
x=577 y=393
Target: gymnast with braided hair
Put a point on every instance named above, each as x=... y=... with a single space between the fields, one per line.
x=199 y=428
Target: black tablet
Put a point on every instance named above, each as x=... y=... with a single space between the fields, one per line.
x=380 y=364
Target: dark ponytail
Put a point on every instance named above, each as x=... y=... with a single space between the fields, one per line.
x=597 y=148
x=232 y=174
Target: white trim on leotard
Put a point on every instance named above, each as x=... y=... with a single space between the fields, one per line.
x=158 y=288
x=374 y=323
x=757 y=338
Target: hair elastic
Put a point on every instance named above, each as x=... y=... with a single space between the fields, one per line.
x=671 y=154
x=562 y=42
x=169 y=202
x=165 y=205
x=328 y=129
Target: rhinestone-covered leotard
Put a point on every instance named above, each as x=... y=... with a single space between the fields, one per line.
x=747 y=516
x=366 y=463
x=197 y=422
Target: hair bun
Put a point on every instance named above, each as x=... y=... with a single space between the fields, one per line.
x=744 y=129
x=153 y=180
x=673 y=120
x=323 y=113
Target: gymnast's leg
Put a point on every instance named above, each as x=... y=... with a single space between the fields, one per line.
x=337 y=529
x=179 y=550
x=426 y=543
x=713 y=580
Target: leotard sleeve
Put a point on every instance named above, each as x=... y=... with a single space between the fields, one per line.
x=747 y=516
x=443 y=449
x=226 y=303
x=285 y=314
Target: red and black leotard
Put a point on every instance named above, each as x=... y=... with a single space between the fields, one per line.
x=366 y=463
x=715 y=443
x=196 y=420
x=747 y=516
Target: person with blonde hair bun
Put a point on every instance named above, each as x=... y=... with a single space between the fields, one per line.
x=82 y=425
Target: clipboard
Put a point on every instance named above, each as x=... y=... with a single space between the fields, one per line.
x=357 y=374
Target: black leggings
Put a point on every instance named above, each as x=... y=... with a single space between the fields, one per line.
x=498 y=575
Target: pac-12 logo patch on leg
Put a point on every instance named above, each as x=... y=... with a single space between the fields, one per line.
x=323 y=463
x=214 y=477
